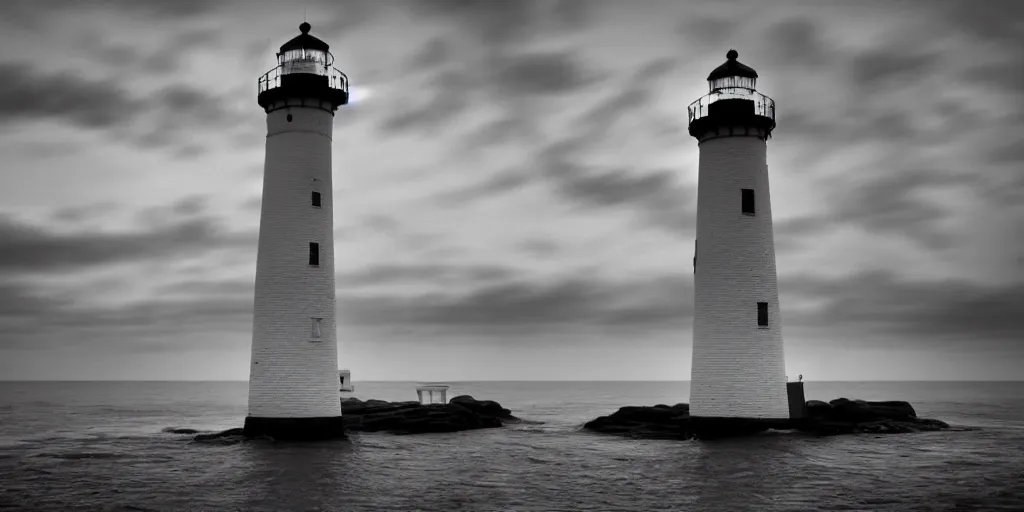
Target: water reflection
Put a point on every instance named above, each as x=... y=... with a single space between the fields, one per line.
x=751 y=471
x=306 y=476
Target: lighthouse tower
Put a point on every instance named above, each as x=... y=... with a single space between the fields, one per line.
x=738 y=366
x=293 y=375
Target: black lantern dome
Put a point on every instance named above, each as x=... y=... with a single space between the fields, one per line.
x=305 y=71
x=732 y=74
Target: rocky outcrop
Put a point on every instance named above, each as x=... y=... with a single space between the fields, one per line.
x=460 y=413
x=845 y=416
x=641 y=422
x=840 y=416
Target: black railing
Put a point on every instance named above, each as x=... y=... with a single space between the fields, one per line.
x=272 y=79
x=763 y=105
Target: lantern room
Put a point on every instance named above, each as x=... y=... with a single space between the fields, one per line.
x=305 y=71
x=732 y=104
x=305 y=54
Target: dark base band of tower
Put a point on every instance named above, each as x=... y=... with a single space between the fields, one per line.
x=295 y=429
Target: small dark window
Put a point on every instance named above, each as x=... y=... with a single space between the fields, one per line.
x=316 y=199
x=314 y=253
x=762 y=314
x=289 y=118
x=695 y=256
x=748 y=201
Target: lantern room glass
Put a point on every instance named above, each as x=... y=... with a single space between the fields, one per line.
x=732 y=82
x=304 y=60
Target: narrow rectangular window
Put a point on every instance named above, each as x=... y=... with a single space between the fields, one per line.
x=314 y=253
x=316 y=329
x=316 y=199
x=762 y=314
x=748 y=201
x=695 y=256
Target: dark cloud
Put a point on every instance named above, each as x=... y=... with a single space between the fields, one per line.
x=880 y=67
x=997 y=21
x=657 y=195
x=570 y=14
x=175 y=117
x=893 y=204
x=334 y=20
x=1003 y=76
x=20 y=300
x=793 y=233
x=438 y=274
x=27 y=248
x=512 y=127
x=167 y=57
x=499 y=183
x=883 y=303
x=706 y=32
x=437 y=51
x=392 y=229
x=158 y=9
x=635 y=98
x=188 y=207
x=492 y=23
x=539 y=247
x=32 y=14
x=27 y=93
x=579 y=301
x=82 y=213
x=797 y=42
x=504 y=82
x=528 y=74
x=448 y=98
x=242 y=289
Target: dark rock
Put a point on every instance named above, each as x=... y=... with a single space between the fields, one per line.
x=484 y=407
x=175 y=430
x=461 y=413
x=840 y=416
x=861 y=411
x=229 y=436
x=658 y=422
x=816 y=408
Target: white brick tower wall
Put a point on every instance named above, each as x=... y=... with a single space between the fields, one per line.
x=292 y=373
x=738 y=367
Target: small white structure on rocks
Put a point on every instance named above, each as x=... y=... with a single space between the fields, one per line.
x=345 y=377
x=432 y=393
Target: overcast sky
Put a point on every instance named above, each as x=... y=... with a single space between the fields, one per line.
x=515 y=187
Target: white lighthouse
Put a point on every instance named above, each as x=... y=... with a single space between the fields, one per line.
x=293 y=376
x=738 y=365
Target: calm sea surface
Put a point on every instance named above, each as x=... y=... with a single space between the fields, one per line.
x=99 y=446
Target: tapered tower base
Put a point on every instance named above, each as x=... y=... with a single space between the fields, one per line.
x=295 y=429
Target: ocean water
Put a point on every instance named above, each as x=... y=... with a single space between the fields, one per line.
x=100 y=446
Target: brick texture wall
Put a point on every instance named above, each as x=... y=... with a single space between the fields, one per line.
x=293 y=375
x=738 y=367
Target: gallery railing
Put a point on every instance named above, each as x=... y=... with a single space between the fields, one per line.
x=763 y=105
x=272 y=79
